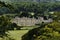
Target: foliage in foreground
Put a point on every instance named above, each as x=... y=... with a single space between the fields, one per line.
x=49 y=31
x=5 y=25
x=4 y=22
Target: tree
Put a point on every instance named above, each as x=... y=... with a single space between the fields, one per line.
x=4 y=22
x=50 y=31
x=12 y=26
x=7 y=6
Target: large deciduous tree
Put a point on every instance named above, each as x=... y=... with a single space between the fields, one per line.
x=4 y=22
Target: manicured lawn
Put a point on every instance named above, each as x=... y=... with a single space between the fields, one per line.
x=17 y=34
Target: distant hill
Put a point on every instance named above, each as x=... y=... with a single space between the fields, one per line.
x=28 y=7
x=30 y=0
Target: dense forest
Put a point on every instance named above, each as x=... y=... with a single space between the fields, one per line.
x=26 y=8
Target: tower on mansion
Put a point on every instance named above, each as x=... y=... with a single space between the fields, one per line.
x=24 y=21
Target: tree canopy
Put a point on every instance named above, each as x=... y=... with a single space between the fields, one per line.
x=50 y=31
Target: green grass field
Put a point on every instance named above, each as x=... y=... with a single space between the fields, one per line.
x=17 y=34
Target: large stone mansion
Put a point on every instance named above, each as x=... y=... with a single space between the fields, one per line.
x=24 y=21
